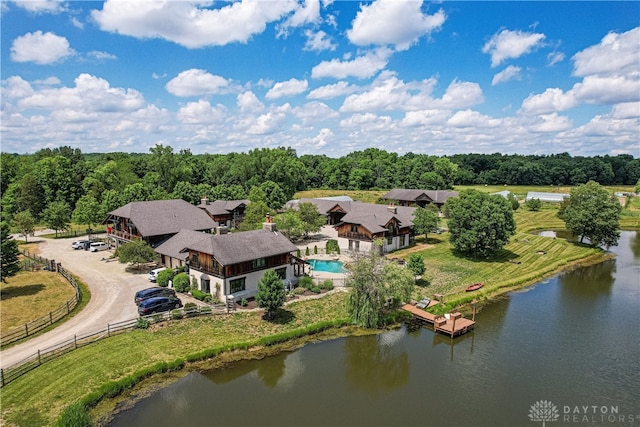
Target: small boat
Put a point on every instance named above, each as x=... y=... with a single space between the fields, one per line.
x=474 y=287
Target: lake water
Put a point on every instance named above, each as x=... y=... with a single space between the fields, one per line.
x=571 y=343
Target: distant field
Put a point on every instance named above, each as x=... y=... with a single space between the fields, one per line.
x=520 y=191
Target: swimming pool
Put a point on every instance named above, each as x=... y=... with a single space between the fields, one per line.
x=326 y=266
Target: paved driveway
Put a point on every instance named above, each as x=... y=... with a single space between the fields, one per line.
x=112 y=291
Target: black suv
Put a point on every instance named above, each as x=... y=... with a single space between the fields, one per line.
x=157 y=304
x=153 y=292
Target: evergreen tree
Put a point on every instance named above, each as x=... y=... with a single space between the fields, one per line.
x=8 y=254
x=416 y=265
x=271 y=294
x=136 y=252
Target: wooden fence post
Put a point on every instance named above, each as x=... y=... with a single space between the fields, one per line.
x=2 y=377
x=50 y=318
x=75 y=343
x=39 y=362
x=108 y=330
x=26 y=329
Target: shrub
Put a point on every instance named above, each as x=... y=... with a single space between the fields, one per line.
x=205 y=309
x=244 y=302
x=176 y=314
x=190 y=305
x=332 y=246
x=164 y=277
x=142 y=323
x=306 y=251
x=327 y=285
x=199 y=295
x=306 y=282
x=533 y=204
x=316 y=289
x=298 y=253
x=298 y=291
x=315 y=249
x=75 y=414
x=181 y=282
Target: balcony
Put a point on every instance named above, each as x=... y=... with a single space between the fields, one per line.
x=355 y=236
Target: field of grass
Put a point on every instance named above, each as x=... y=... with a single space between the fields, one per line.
x=83 y=371
x=30 y=295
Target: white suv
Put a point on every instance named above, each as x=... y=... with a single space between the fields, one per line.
x=153 y=274
x=98 y=246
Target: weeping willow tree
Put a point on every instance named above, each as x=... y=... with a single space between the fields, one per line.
x=376 y=284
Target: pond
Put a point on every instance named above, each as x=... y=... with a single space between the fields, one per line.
x=571 y=343
x=327 y=266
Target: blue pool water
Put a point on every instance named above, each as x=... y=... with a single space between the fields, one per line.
x=326 y=266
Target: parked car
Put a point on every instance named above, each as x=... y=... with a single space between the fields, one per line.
x=153 y=292
x=153 y=274
x=158 y=304
x=80 y=244
x=98 y=246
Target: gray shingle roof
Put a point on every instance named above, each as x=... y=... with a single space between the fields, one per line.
x=233 y=248
x=436 y=196
x=222 y=207
x=159 y=217
x=173 y=246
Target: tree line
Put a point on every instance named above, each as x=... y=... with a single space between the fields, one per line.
x=60 y=178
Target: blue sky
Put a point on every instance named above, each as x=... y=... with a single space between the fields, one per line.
x=322 y=77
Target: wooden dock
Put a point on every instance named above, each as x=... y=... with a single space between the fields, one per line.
x=453 y=324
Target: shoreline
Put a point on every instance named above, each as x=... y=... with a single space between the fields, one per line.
x=106 y=409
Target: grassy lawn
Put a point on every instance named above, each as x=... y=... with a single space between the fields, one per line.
x=526 y=259
x=30 y=295
x=76 y=374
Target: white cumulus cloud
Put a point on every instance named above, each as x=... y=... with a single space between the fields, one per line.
x=393 y=22
x=510 y=73
x=202 y=112
x=332 y=91
x=189 y=24
x=42 y=6
x=552 y=100
x=196 y=82
x=318 y=41
x=291 y=87
x=509 y=44
x=40 y=48
x=616 y=54
x=248 y=102
x=361 y=67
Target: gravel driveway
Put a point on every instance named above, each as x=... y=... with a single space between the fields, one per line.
x=112 y=291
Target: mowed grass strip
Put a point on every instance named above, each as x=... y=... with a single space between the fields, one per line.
x=526 y=259
x=31 y=295
x=68 y=378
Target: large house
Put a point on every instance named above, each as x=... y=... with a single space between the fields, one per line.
x=230 y=265
x=227 y=213
x=407 y=197
x=155 y=221
x=360 y=224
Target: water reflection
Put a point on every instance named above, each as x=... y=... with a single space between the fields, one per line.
x=585 y=282
x=375 y=363
x=634 y=244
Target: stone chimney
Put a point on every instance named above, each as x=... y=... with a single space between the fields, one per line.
x=221 y=229
x=204 y=200
x=392 y=208
x=269 y=224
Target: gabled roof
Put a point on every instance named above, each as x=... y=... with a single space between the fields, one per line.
x=233 y=248
x=222 y=207
x=159 y=217
x=435 y=196
x=173 y=246
x=375 y=218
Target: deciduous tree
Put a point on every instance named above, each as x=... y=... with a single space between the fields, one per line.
x=24 y=223
x=592 y=212
x=57 y=216
x=425 y=219
x=271 y=294
x=87 y=212
x=480 y=224
x=136 y=252
x=374 y=282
